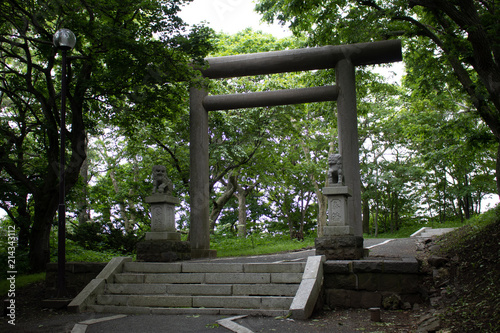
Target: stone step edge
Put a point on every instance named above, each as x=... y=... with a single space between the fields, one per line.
x=175 y=289
x=194 y=267
x=184 y=311
x=307 y=295
x=211 y=278
x=97 y=286
x=269 y=302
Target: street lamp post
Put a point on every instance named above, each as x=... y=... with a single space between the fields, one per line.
x=64 y=40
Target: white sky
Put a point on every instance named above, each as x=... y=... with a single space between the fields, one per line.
x=229 y=16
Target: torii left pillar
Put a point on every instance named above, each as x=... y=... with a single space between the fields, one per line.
x=199 y=188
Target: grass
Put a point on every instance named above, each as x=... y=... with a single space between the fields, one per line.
x=21 y=281
x=257 y=244
x=74 y=252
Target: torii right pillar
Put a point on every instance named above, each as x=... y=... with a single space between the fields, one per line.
x=343 y=235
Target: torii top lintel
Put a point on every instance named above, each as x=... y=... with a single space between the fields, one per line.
x=303 y=59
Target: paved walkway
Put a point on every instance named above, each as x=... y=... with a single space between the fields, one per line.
x=109 y=323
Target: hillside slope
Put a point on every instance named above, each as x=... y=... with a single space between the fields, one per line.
x=465 y=269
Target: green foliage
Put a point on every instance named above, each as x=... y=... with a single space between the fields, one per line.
x=75 y=252
x=107 y=237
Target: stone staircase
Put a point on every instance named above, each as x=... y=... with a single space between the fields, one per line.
x=428 y=232
x=200 y=287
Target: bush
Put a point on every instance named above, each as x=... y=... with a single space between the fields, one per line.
x=95 y=236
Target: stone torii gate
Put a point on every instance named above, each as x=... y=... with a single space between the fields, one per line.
x=342 y=58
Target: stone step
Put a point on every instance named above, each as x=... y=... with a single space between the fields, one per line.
x=236 y=302
x=197 y=267
x=209 y=278
x=185 y=311
x=203 y=289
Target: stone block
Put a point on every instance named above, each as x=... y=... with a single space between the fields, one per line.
x=152 y=267
x=286 y=277
x=276 y=302
x=265 y=289
x=163 y=236
x=338 y=298
x=162 y=198
x=369 y=281
x=200 y=289
x=340 y=281
x=241 y=278
x=367 y=266
x=175 y=278
x=136 y=289
x=160 y=301
x=163 y=251
x=273 y=268
x=227 y=302
x=337 y=266
x=391 y=282
x=407 y=266
x=203 y=253
x=129 y=278
x=365 y=299
x=337 y=230
x=195 y=267
x=340 y=247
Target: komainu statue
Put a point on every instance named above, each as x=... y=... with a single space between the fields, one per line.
x=161 y=183
x=335 y=174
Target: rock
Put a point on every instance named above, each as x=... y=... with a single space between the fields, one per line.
x=437 y=261
x=392 y=302
x=429 y=323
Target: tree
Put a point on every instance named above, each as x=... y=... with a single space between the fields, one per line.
x=461 y=37
x=125 y=69
x=239 y=137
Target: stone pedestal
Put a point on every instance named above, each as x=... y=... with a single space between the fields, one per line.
x=163 y=251
x=163 y=243
x=162 y=217
x=338 y=241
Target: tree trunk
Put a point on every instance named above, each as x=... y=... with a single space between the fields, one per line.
x=219 y=204
x=242 y=213
x=322 y=209
x=46 y=203
x=121 y=203
x=82 y=204
x=366 y=216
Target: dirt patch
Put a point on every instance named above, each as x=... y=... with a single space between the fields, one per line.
x=464 y=278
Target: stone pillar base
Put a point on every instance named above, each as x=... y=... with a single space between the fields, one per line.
x=203 y=253
x=162 y=235
x=163 y=251
x=345 y=247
